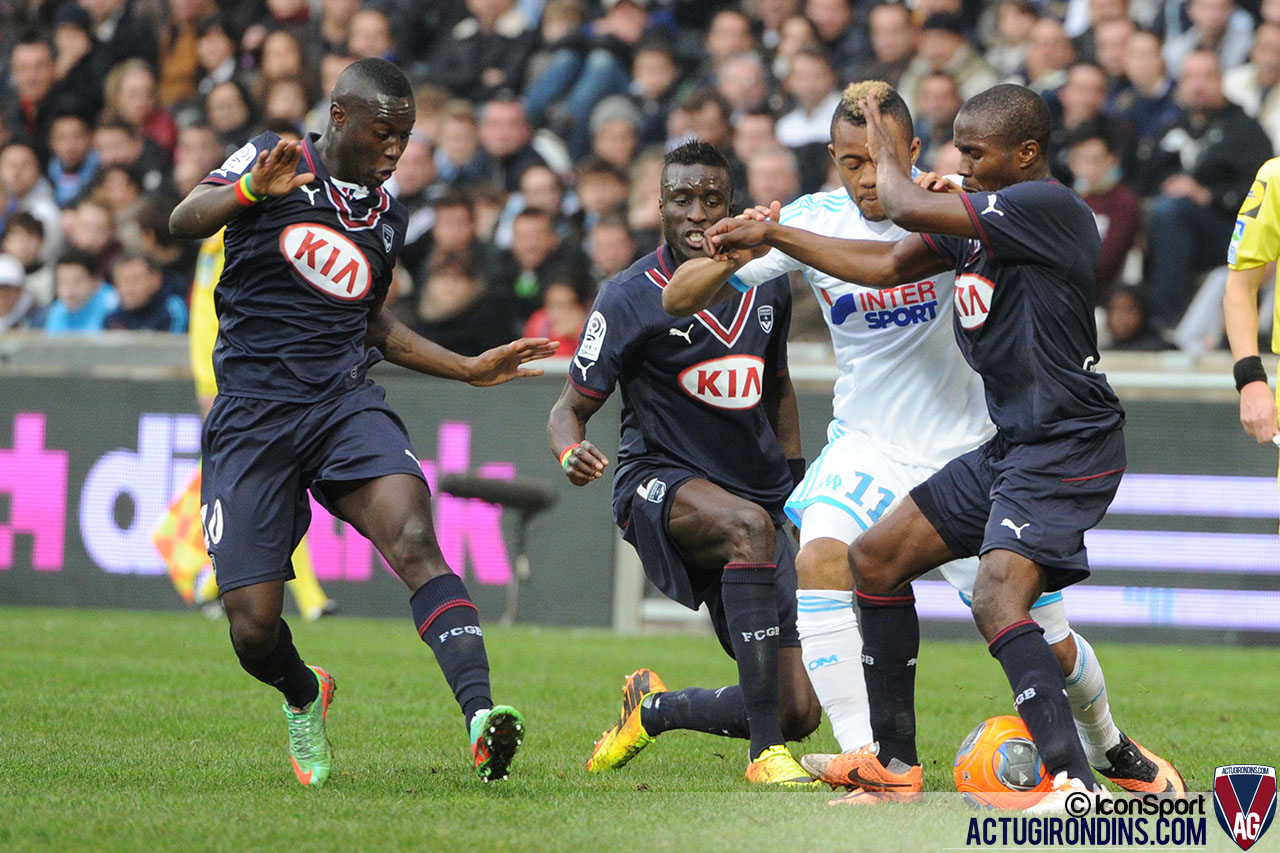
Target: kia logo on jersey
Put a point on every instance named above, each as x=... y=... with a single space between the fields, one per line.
x=729 y=382
x=973 y=300
x=327 y=260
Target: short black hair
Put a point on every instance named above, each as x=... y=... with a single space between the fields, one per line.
x=890 y=102
x=25 y=222
x=78 y=258
x=695 y=152
x=372 y=76
x=455 y=199
x=1088 y=131
x=133 y=256
x=1014 y=112
x=702 y=97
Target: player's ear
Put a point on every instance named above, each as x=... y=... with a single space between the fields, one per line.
x=337 y=115
x=1028 y=154
x=831 y=151
x=914 y=152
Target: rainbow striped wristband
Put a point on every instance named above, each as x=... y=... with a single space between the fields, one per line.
x=244 y=194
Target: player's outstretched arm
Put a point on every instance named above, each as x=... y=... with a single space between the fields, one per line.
x=1240 y=314
x=581 y=460
x=402 y=346
x=866 y=262
x=209 y=207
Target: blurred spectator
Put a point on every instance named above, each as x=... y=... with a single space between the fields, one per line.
x=83 y=300
x=454 y=233
x=741 y=79
x=561 y=317
x=1115 y=206
x=143 y=306
x=370 y=35
x=120 y=32
x=615 y=127
x=90 y=228
x=1128 y=325
x=1083 y=29
x=36 y=98
x=602 y=191
x=797 y=33
x=1049 y=52
x=1145 y=106
x=486 y=52
x=73 y=163
x=24 y=239
x=286 y=101
x=199 y=152
x=844 y=41
x=178 y=49
x=507 y=139
x=130 y=92
x=281 y=60
x=77 y=89
x=23 y=189
x=655 y=87
x=1110 y=39
x=119 y=143
x=412 y=186
x=728 y=34
x=521 y=274
x=176 y=258
x=1216 y=25
x=709 y=116
x=936 y=114
x=16 y=303
x=1008 y=51
x=1079 y=102
x=643 y=217
x=335 y=24
x=215 y=56
x=1202 y=167
x=119 y=188
x=460 y=161
x=540 y=189
x=611 y=247
x=455 y=311
x=753 y=133
x=331 y=67
x=773 y=175
x=229 y=111
x=811 y=84
x=1253 y=86
x=893 y=43
x=944 y=47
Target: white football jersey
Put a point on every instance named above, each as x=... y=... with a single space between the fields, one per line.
x=903 y=382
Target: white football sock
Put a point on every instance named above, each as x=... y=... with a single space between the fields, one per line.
x=1087 y=693
x=831 y=648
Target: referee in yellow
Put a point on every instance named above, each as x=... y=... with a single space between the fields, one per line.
x=1255 y=243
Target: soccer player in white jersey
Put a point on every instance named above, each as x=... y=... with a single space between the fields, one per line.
x=905 y=404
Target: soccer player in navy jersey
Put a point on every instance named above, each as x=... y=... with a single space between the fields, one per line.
x=311 y=243
x=709 y=452
x=1025 y=251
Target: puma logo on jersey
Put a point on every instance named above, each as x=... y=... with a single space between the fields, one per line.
x=1016 y=528
x=686 y=334
x=311 y=193
x=991 y=206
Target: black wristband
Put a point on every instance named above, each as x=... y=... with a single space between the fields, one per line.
x=1249 y=369
x=797 y=468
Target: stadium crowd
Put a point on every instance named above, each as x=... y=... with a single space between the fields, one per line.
x=533 y=171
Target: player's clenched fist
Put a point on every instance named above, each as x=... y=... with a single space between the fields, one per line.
x=729 y=234
x=584 y=463
x=274 y=172
x=935 y=183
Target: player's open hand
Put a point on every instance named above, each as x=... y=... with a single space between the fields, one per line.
x=935 y=183
x=585 y=463
x=878 y=140
x=1258 y=411
x=275 y=171
x=729 y=236
x=502 y=364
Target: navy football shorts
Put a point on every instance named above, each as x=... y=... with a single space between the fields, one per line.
x=259 y=457
x=643 y=498
x=1036 y=500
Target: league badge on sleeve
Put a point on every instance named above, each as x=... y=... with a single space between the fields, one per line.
x=1244 y=799
x=592 y=342
x=765 y=315
x=388 y=236
x=237 y=162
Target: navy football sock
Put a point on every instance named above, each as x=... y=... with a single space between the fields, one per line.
x=447 y=622
x=716 y=712
x=751 y=610
x=890 y=644
x=283 y=669
x=1039 y=694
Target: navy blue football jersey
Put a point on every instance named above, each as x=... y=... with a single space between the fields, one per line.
x=301 y=273
x=1024 y=310
x=691 y=386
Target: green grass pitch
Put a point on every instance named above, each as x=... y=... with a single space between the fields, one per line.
x=138 y=731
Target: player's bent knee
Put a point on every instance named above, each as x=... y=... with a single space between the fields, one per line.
x=872 y=564
x=414 y=550
x=748 y=532
x=824 y=564
x=254 y=635
x=799 y=716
